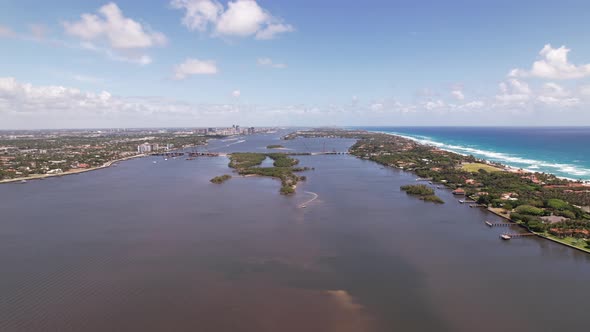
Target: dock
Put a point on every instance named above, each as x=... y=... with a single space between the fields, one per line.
x=500 y=224
x=507 y=236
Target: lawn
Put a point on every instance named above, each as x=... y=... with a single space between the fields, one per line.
x=475 y=167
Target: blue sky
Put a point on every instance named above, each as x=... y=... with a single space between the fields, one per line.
x=213 y=62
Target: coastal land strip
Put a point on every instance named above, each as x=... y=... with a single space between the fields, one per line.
x=550 y=207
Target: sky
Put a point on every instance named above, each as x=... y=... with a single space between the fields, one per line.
x=201 y=63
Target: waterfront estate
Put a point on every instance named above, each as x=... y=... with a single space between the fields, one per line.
x=550 y=206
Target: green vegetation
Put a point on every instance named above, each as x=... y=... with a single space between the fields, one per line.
x=529 y=210
x=282 y=160
x=423 y=192
x=221 y=179
x=417 y=189
x=27 y=153
x=274 y=146
x=433 y=199
x=476 y=167
x=543 y=202
x=246 y=160
x=283 y=168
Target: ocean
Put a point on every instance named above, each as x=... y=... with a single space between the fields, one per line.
x=563 y=151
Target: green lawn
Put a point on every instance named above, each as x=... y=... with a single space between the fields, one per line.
x=475 y=167
x=579 y=243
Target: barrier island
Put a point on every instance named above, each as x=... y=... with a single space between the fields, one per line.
x=549 y=206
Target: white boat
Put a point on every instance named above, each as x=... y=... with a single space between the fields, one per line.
x=505 y=237
x=155 y=162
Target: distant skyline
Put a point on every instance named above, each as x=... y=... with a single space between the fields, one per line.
x=200 y=63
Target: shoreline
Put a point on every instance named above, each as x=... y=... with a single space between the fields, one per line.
x=509 y=168
x=506 y=169
x=543 y=236
x=71 y=172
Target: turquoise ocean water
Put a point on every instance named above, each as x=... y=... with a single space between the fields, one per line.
x=563 y=151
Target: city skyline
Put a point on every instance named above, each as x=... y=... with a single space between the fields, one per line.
x=206 y=63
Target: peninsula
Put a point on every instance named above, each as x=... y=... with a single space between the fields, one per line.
x=549 y=206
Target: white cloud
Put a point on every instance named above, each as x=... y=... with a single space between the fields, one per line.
x=268 y=62
x=272 y=30
x=199 y=13
x=458 y=94
x=236 y=93
x=554 y=94
x=376 y=107
x=24 y=105
x=433 y=105
x=474 y=104
x=513 y=91
x=140 y=59
x=554 y=64
x=194 y=67
x=111 y=25
x=554 y=90
x=242 y=18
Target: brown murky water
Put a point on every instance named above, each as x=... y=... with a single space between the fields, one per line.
x=156 y=247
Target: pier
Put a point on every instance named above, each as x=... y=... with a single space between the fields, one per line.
x=476 y=205
x=507 y=236
x=500 y=224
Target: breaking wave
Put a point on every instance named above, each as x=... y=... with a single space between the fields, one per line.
x=563 y=170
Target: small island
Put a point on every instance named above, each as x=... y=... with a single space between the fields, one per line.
x=275 y=146
x=423 y=192
x=247 y=163
x=220 y=179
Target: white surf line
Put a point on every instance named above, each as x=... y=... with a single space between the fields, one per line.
x=304 y=204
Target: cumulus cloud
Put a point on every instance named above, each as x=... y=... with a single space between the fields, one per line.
x=121 y=32
x=268 y=62
x=513 y=91
x=194 y=67
x=555 y=95
x=25 y=105
x=553 y=64
x=458 y=94
x=198 y=13
x=242 y=18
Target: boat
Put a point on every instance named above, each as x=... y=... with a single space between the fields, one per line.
x=505 y=237
x=23 y=181
x=155 y=162
x=489 y=223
